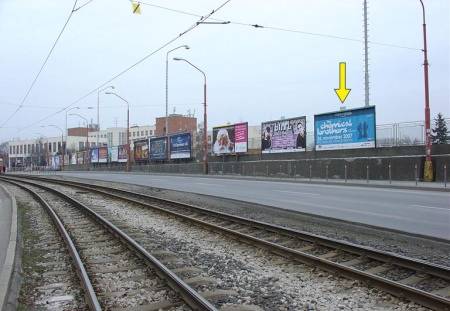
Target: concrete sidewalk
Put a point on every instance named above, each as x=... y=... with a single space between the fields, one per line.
x=8 y=242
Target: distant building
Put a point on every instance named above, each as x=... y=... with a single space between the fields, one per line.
x=176 y=123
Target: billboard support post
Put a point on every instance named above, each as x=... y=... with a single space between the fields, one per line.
x=367 y=172
x=390 y=173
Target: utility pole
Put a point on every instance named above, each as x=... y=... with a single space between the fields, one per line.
x=428 y=168
x=366 y=58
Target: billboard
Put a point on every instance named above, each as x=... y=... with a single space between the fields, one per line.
x=230 y=139
x=122 y=154
x=141 y=150
x=80 y=157
x=348 y=129
x=287 y=135
x=113 y=154
x=103 y=155
x=55 y=162
x=94 y=155
x=180 y=146
x=158 y=148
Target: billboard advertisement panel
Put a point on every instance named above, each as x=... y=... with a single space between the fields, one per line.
x=80 y=157
x=122 y=154
x=113 y=154
x=348 y=129
x=94 y=155
x=230 y=139
x=141 y=150
x=287 y=135
x=158 y=148
x=240 y=137
x=180 y=146
x=103 y=155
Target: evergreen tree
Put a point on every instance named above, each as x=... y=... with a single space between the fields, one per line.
x=440 y=131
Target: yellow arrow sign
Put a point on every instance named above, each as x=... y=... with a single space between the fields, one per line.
x=342 y=92
x=136 y=7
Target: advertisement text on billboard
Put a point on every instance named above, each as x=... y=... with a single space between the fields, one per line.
x=230 y=139
x=122 y=154
x=103 y=155
x=94 y=155
x=287 y=135
x=180 y=146
x=141 y=150
x=113 y=154
x=349 y=129
x=158 y=148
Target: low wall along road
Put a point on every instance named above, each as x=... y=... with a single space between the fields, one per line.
x=399 y=163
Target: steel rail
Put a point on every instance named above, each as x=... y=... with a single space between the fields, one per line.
x=393 y=287
x=187 y=293
x=89 y=293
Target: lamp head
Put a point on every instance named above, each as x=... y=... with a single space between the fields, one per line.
x=186 y=47
x=177 y=58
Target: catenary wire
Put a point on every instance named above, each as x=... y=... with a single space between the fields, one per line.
x=19 y=107
x=202 y=18
x=283 y=29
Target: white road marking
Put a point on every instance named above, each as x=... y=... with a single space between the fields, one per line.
x=299 y=192
x=431 y=207
x=203 y=184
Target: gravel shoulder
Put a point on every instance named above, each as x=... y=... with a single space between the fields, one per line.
x=407 y=245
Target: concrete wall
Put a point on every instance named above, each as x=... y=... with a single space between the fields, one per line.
x=406 y=163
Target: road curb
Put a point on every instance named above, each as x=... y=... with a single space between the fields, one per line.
x=8 y=267
x=275 y=179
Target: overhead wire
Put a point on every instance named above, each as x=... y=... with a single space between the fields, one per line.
x=193 y=26
x=19 y=107
x=283 y=29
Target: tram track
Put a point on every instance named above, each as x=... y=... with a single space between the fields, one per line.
x=115 y=272
x=422 y=282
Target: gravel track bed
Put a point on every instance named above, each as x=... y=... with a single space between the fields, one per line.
x=258 y=277
x=48 y=280
x=137 y=285
x=402 y=244
x=397 y=273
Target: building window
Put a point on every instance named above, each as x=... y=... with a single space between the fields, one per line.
x=134 y=134
x=142 y=133
x=21 y=149
x=151 y=132
x=54 y=147
x=146 y=133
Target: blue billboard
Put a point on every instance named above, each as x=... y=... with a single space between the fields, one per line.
x=349 y=129
x=180 y=146
x=94 y=155
x=158 y=148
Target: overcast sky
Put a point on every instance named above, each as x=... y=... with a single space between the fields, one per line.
x=253 y=74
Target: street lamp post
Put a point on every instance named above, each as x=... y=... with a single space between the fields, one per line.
x=205 y=124
x=87 y=135
x=128 y=127
x=428 y=168
x=166 y=129
x=39 y=148
x=63 y=149
x=67 y=133
x=98 y=109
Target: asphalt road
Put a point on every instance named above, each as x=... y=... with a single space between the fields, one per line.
x=415 y=211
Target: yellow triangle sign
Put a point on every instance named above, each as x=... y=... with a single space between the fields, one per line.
x=136 y=7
